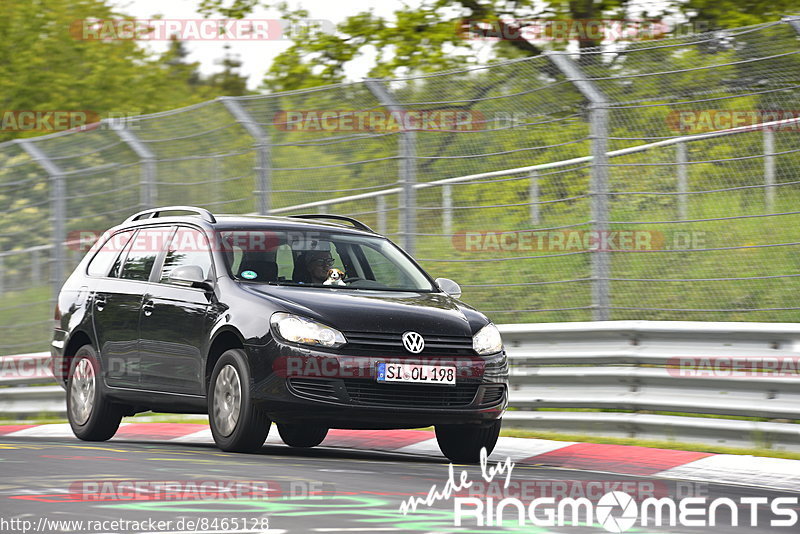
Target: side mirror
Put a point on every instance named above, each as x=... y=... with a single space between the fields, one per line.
x=449 y=287
x=191 y=275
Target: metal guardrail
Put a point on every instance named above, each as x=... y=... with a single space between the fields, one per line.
x=627 y=369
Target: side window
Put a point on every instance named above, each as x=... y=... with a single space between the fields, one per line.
x=384 y=270
x=188 y=247
x=142 y=252
x=100 y=264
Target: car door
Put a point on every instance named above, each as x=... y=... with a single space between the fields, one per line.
x=175 y=322
x=116 y=307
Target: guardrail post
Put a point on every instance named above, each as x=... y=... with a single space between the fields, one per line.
x=447 y=209
x=533 y=197
x=148 y=196
x=683 y=181
x=262 y=146
x=598 y=133
x=769 y=168
x=408 y=177
x=58 y=212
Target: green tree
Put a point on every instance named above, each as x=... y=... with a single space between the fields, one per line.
x=430 y=38
x=46 y=65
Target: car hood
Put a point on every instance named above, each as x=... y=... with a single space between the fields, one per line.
x=377 y=311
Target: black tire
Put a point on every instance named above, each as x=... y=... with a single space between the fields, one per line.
x=463 y=443
x=302 y=435
x=91 y=416
x=246 y=430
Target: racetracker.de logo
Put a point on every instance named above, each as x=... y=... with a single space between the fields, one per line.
x=110 y=30
x=331 y=120
x=490 y=241
x=735 y=367
x=53 y=120
x=712 y=120
x=561 y=30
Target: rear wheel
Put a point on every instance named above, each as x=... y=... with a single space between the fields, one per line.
x=302 y=435
x=91 y=416
x=237 y=424
x=463 y=443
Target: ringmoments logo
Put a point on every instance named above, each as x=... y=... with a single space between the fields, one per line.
x=614 y=511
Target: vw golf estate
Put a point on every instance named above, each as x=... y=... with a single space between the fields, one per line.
x=310 y=322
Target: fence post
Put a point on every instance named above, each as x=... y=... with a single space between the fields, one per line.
x=408 y=177
x=769 y=168
x=447 y=209
x=683 y=181
x=58 y=211
x=381 y=209
x=598 y=133
x=533 y=197
x=262 y=146
x=148 y=196
x=36 y=268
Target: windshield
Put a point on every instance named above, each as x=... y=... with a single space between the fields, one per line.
x=320 y=259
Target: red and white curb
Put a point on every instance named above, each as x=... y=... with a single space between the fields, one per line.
x=727 y=469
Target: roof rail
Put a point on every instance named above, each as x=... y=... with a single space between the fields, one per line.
x=156 y=212
x=358 y=224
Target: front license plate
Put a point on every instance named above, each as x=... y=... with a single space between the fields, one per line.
x=416 y=373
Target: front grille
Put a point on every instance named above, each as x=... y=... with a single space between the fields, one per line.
x=314 y=388
x=368 y=393
x=492 y=395
x=393 y=343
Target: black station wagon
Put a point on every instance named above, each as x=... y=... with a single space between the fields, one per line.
x=310 y=321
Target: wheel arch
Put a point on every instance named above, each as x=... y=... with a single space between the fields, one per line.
x=226 y=339
x=78 y=339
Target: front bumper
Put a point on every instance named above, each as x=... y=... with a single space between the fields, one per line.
x=298 y=385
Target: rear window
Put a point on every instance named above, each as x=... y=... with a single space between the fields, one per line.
x=100 y=265
x=142 y=252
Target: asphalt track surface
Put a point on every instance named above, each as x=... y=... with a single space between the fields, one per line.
x=351 y=490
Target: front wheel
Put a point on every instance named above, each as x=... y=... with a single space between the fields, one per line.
x=302 y=435
x=463 y=443
x=91 y=416
x=237 y=424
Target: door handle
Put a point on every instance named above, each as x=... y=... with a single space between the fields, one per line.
x=100 y=302
x=148 y=308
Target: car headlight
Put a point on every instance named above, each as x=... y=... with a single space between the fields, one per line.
x=298 y=329
x=487 y=340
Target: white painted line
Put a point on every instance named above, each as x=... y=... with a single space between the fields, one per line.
x=428 y=447
x=520 y=448
x=201 y=436
x=274 y=438
x=777 y=473
x=59 y=430
x=55 y=430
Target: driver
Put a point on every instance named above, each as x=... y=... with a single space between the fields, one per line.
x=317 y=265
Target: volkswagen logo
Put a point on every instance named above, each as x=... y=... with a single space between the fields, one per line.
x=413 y=342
